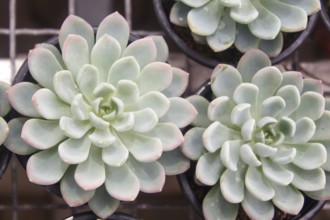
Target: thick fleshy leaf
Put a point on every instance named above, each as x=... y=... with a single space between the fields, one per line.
x=74 y=128
x=219 y=109
x=154 y=100
x=162 y=48
x=121 y=183
x=194 y=3
x=104 y=90
x=20 y=98
x=257 y=185
x=87 y=80
x=276 y=173
x=65 y=86
x=124 y=122
x=286 y=126
x=240 y=114
x=272 y=47
x=248 y=156
x=232 y=185
x=248 y=129
x=49 y=106
x=246 y=93
x=284 y=155
x=76 y=25
x=124 y=68
x=46 y=167
x=97 y=121
x=244 y=42
x=179 y=83
x=102 y=204
x=102 y=137
x=127 y=91
x=224 y=80
x=310 y=6
x=104 y=53
x=174 y=162
x=272 y=106
x=155 y=76
x=201 y=104
x=230 y=154
x=310 y=156
x=212 y=141
x=116 y=154
x=244 y=13
x=90 y=174
x=14 y=142
x=209 y=168
x=291 y=95
x=264 y=150
x=72 y=194
x=74 y=151
x=216 y=207
x=5 y=106
x=312 y=85
x=75 y=53
x=116 y=26
x=312 y=106
x=322 y=127
x=305 y=130
x=193 y=143
x=181 y=112
x=323 y=194
x=143 y=148
x=144 y=120
x=43 y=65
x=151 y=175
x=179 y=13
x=308 y=180
x=143 y=50
x=35 y=133
x=257 y=209
x=205 y=20
x=54 y=51
x=80 y=108
x=293 y=78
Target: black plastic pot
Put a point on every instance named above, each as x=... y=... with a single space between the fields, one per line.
x=195 y=193
x=92 y=216
x=211 y=59
x=325 y=14
x=5 y=156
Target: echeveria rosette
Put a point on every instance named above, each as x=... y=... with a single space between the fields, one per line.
x=4 y=109
x=263 y=141
x=104 y=118
x=244 y=23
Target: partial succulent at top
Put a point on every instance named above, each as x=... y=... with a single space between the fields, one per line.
x=263 y=141
x=4 y=109
x=104 y=117
x=245 y=23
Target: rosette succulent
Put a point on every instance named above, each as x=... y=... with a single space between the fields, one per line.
x=103 y=118
x=262 y=141
x=244 y=23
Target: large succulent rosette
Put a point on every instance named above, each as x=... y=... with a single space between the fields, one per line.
x=263 y=141
x=103 y=117
x=244 y=23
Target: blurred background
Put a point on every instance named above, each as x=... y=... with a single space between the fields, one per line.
x=23 y=23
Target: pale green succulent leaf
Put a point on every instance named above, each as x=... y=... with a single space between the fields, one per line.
x=310 y=6
x=310 y=156
x=213 y=141
x=78 y=26
x=102 y=204
x=143 y=148
x=162 y=48
x=98 y=122
x=326 y=165
x=219 y=109
x=90 y=174
x=312 y=85
x=224 y=36
x=49 y=106
x=144 y=120
x=87 y=80
x=245 y=41
x=272 y=106
x=322 y=127
x=195 y=3
x=43 y=65
x=247 y=93
x=181 y=112
x=124 y=68
x=80 y=108
x=232 y=185
x=323 y=194
x=4 y=130
x=46 y=167
x=65 y=87
x=231 y=3
x=291 y=95
x=104 y=90
x=74 y=151
x=224 y=80
x=143 y=50
x=155 y=76
x=154 y=100
x=151 y=175
x=174 y=162
x=20 y=98
x=272 y=47
x=72 y=194
x=5 y=106
x=124 y=122
x=209 y=168
x=34 y=127
x=240 y=114
x=178 y=84
x=116 y=154
x=312 y=106
x=53 y=50
x=179 y=12
x=305 y=130
x=266 y=121
x=248 y=129
x=287 y=126
x=104 y=53
x=216 y=207
x=308 y=180
x=75 y=53
x=258 y=185
x=14 y=141
x=293 y=78
x=102 y=137
x=244 y=13
x=257 y=209
x=121 y=183
x=192 y=146
x=248 y=156
x=284 y=155
x=201 y=104
x=74 y=128
x=116 y=26
x=205 y=20
x=276 y=173
x=230 y=153
x=264 y=150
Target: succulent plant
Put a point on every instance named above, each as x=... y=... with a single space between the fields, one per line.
x=104 y=117
x=262 y=141
x=245 y=23
x=4 y=109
